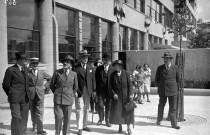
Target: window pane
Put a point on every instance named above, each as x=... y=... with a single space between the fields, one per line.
x=123 y=37
x=66 y=21
x=23 y=15
x=88 y=33
x=132 y=40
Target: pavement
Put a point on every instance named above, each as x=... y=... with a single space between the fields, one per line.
x=196 y=114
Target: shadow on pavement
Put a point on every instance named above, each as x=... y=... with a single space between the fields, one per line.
x=4 y=107
x=2 y=126
x=103 y=131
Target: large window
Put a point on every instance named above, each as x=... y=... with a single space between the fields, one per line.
x=141 y=40
x=88 y=33
x=132 y=40
x=155 y=11
x=168 y=18
x=23 y=29
x=66 y=32
x=106 y=37
x=123 y=38
x=140 y=5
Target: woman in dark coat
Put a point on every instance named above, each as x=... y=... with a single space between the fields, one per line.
x=121 y=92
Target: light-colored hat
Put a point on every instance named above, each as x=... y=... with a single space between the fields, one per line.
x=34 y=60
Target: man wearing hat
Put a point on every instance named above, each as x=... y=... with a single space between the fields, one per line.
x=64 y=86
x=37 y=89
x=103 y=74
x=15 y=85
x=93 y=98
x=167 y=78
x=86 y=88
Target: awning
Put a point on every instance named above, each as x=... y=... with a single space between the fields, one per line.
x=161 y=46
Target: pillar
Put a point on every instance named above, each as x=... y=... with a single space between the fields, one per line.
x=115 y=40
x=98 y=38
x=146 y=40
x=152 y=41
x=3 y=47
x=46 y=35
x=78 y=23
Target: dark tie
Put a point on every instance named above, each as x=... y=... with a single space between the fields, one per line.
x=22 y=71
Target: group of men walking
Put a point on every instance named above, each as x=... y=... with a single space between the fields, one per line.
x=24 y=85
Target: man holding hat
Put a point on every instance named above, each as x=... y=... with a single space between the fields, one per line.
x=64 y=86
x=86 y=88
x=103 y=74
x=15 y=85
x=167 y=78
x=37 y=89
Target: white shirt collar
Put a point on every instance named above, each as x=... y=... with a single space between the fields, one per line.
x=19 y=66
x=106 y=66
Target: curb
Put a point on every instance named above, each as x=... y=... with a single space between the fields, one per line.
x=187 y=92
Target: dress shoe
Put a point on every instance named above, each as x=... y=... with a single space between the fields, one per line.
x=108 y=124
x=176 y=127
x=42 y=132
x=129 y=132
x=87 y=129
x=120 y=129
x=148 y=100
x=79 y=132
x=99 y=123
x=158 y=122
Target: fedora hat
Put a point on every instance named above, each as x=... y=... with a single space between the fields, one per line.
x=106 y=56
x=20 y=55
x=167 y=55
x=119 y=62
x=84 y=53
x=68 y=58
x=34 y=60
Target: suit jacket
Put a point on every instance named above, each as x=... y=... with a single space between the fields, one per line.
x=15 y=84
x=99 y=78
x=85 y=78
x=36 y=84
x=64 y=87
x=167 y=80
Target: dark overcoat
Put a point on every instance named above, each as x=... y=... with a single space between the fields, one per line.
x=85 y=78
x=120 y=85
x=15 y=84
x=36 y=84
x=167 y=80
x=99 y=79
x=64 y=87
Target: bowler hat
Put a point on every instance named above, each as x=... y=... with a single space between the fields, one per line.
x=20 y=55
x=34 y=60
x=68 y=58
x=167 y=55
x=91 y=59
x=119 y=62
x=106 y=56
x=84 y=53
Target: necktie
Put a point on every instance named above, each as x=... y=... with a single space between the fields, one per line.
x=34 y=72
x=167 y=67
x=105 y=69
x=84 y=67
x=66 y=73
x=22 y=71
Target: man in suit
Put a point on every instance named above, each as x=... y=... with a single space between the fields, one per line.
x=15 y=85
x=167 y=79
x=102 y=75
x=86 y=83
x=64 y=86
x=37 y=92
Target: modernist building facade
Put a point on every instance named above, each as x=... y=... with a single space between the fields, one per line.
x=51 y=29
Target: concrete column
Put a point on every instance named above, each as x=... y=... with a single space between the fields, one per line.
x=98 y=38
x=78 y=23
x=115 y=40
x=146 y=40
x=3 y=47
x=137 y=43
x=46 y=35
x=128 y=38
x=152 y=41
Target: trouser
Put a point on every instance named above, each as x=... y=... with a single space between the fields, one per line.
x=82 y=106
x=94 y=103
x=104 y=101
x=62 y=115
x=172 y=108
x=37 y=112
x=19 y=112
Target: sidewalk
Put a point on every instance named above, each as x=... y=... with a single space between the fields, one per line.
x=197 y=110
